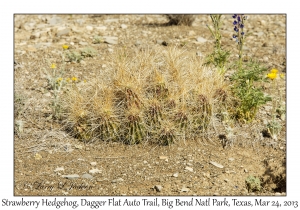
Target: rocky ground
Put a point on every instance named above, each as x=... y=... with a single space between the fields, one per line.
x=50 y=162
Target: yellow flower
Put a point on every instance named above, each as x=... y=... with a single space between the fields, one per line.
x=53 y=66
x=275 y=71
x=272 y=75
x=74 y=79
x=65 y=47
x=59 y=79
x=68 y=79
x=281 y=75
x=84 y=81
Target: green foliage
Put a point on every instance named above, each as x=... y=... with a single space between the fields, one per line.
x=88 y=52
x=246 y=87
x=253 y=184
x=219 y=57
x=73 y=56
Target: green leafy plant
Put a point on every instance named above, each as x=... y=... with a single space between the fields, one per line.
x=247 y=88
x=73 y=56
x=88 y=52
x=219 y=57
x=253 y=184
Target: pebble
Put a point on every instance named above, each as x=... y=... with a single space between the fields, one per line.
x=163 y=157
x=189 y=169
x=95 y=171
x=184 y=189
x=158 y=188
x=89 y=28
x=123 y=26
x=175 y=175
x=38 y=156
x=231 y=159
x=87 y=176
x=277 y=194
x=216 y=164
x=78 y=146
x=111 y=20
x=110 y=39
x=201 y=40
x=83 y=43
x=55 y=20
x=59 y=169
x=101 y=28
x=71 y=176
x=117 y=180
x=93 y=163
x=62 y=32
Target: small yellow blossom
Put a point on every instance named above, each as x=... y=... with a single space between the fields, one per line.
x=74 y=79
x=68 y=79
x=65 y=47
x=272 y=75
x=275 y=71
x=281 y=75
x=59 y=79
x=84 y=81
x=53 y=66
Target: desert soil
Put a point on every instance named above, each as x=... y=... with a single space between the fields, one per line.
x=45 y=155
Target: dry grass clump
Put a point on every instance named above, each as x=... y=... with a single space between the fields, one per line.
x=156 y=96
x=186 y=20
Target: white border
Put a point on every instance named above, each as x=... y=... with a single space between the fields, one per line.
x=153 y=6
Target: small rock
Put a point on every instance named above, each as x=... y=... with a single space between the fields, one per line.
x=163 y=157
x=54 y=20
x=184 y=189
x=71 y=176
x=63 y=32
x=158 y=188
x=245 y=170
x=110 y=39
x=216 y=194
x=83 y=43
x=78 y=146
x=117 y=180
x=198 y=53
x=89 y=28
x=59 y=169
x=123 y=26
x=189 y=169
x=260 y=33
x=226 y=180
x=265 y=59
x=95 y=171
x=216 y=164
x=38 y=156
x=93 y=163
x=145 y=162
x=277 y=194
x=192 y=33
x=231 y=159
x=101 y=28
x=201 y=40
x=87 y=176
x=175 y=175
x=111 y=20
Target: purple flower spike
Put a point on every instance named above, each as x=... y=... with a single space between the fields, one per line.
x=239 y=18
x=235 y=22
x=236 y=29
x=242 y=33
x=241 y=26
x=234 y=16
